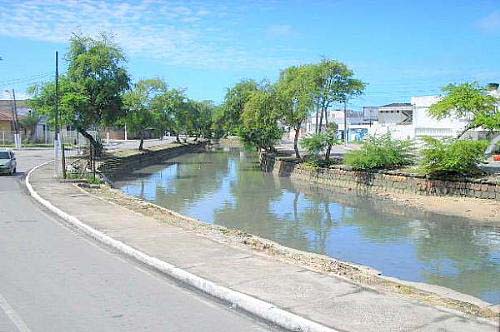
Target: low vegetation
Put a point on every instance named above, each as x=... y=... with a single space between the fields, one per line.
x=381 y=152
x=452 y=156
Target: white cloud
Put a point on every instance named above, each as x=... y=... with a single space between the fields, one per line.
x=490 y=23
x=177 y=32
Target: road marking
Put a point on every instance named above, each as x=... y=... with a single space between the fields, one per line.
x=12 y=314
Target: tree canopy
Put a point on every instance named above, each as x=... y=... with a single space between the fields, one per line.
x=468 y=100
x=92 y=89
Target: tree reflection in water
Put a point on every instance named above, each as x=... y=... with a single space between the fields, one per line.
x=228 y=188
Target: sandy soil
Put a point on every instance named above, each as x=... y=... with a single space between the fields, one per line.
x=481 y=210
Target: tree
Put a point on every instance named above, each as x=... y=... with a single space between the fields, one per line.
x=30 y=122
x=91 y=91
x=140 y=105
x=334 y=83
x=204 y=114
x=319 y=142
x=331 y=138
x=229 y=114
x=468 y=100
x=295 y=90
x=260 y=120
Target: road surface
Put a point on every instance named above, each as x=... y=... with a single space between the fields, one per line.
x=55 y=279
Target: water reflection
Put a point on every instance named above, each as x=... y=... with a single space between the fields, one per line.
x=228 y=189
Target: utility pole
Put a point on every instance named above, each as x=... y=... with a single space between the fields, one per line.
x=15 y=122
x=18 y=136
x=58 y=145
x=345 y=123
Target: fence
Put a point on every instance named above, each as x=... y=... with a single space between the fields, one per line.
x=70 y=138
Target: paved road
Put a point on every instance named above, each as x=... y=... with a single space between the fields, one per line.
x=54 y=279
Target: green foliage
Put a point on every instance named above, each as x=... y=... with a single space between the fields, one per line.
x=468 y=100
x=204 y=112
x=29 y=122
x=451 y=156
x=228 y=116
x=141 y=105
x=381 y=152
x=96 y=68
x=294 y=98
x=314 y=144
x=260 y=120
x=90 y=94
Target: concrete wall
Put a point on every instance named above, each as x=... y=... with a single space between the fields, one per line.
x=116 y=166
x=384 y=181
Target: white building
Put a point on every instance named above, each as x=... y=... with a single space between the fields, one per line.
x=412 y=120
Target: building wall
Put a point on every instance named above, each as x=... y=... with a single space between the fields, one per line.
x=399 y=115
x=427 y=125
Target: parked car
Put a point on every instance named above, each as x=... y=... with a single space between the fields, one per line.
x=7 y=162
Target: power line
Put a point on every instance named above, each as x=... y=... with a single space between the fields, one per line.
x=25 y=79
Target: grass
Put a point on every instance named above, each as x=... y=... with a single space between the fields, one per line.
x=87 y=177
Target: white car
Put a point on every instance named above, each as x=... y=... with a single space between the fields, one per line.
x=7 y=162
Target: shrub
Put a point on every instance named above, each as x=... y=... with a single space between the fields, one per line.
x=451 y=156
x=323 y=141
x=314 y=144
x=381 y=152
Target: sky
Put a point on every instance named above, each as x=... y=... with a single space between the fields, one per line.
x=399 y=48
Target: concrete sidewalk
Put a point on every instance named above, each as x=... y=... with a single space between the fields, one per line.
x=321 y=298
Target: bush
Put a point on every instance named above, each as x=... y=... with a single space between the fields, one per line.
x=451 y=156
x=314 y=144
x=381 y=152
x=323 y=141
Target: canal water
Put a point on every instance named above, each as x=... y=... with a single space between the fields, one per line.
x=228 y=189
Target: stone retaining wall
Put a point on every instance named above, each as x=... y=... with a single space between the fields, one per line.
x=386 y=181
x=116 y=166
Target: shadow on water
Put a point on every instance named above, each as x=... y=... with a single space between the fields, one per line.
x=228 y=189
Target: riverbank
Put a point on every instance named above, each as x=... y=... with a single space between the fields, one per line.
x=476 y=199
x=325 y=264
x=257 y=267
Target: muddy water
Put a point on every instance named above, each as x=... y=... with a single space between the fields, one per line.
x=228 y=189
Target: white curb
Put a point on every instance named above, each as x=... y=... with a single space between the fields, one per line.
x=259 y=308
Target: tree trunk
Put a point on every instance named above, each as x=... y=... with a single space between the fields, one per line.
x=95 y=144
x=326 y=117
x=320 y=121
x=141 y=144
x=177 y=138
x=317 y=118
x=328 y=151
x=295 y=142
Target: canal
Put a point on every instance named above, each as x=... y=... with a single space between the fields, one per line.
x=228 y=189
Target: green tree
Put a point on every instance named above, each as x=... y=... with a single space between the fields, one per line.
x=334 y=83
x=229 y=114
x=140 y=105
x=295 y=90
x=90 y=94
x=97 y=73
x=173 y=111
x=319 y=142
x=29 y=122
x=204 y=115
x=260 y=120
x=468 y=100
